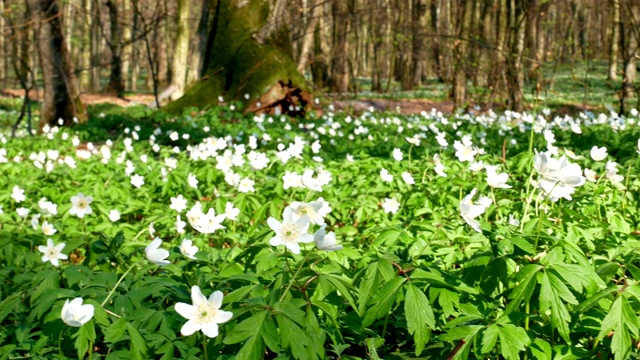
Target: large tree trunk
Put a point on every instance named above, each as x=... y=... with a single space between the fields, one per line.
x=249 y=55
x=181 y=53
x=420 y=21
x=61 y=96
x=307 y=40
x=199 y=47
x=515 y=74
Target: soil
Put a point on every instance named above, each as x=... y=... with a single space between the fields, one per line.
x=88 y=99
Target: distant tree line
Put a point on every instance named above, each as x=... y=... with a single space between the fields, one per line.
x=166 y=46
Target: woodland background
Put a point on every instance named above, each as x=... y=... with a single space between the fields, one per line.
x=492 y=53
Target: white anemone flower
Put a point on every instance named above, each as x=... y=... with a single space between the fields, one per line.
x=231 y=212
x=470 y=211
x=188 y=249
x=52 y=252
x=408 y=179
x=48 y=229
x=391 y=205
x=207 y=223
x=155 y=254
x=598 y=154
x=290 y=233
x=312 y=210
x=137 y=180
x=80 y=205
x=114 y=215
x=204 y=315
x=496 y=180
x=17 y=194
x=76 y=314
x=178 y=203
x=385 y=176
x=326 y=241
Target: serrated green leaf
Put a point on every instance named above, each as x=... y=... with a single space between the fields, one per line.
x=420 y=318
x=383 y=301
x=138 y=345
x=489 y=338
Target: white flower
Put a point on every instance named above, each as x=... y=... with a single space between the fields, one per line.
x=385 y=176
x=477 y=166
x=391 y=205
x=309 y=182
x=155 y=254
x=51 y=252
x=178 y=203
x=205 y=223
x=152 y=230
x=137 y=180
x=326 y=241
x=311 y=210
x=204 y=315
x=558 y=177
x=192 y=180
x=47 y=207
x=496 y=180
x=188 y=249
x=598 y=154
x=408 y=178
x=180 y=225
x=325 y=209
x=290 y=233
x=18 y=194
x=291 y=180
x=246 y=185
x=231 y=212
x=440 y=138
x=48 y=229
x=80 y=205
x=470 y=211
x=464 y=150
x=590 y=175
x=513 y=221
x=114 y=215
x=22 y=212
x=397 y=154
x=76 y=314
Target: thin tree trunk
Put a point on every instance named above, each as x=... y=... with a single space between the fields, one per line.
x=127 y=48
x=85 y=52
x=340 y=64
x=61 y=95
x=181 y=53
x=461 y=51
x=95 y=45
x=307 y=39
x=515 y=74
x=116 y=83
x=615 y=40
x=420 y=21
x=4 y=54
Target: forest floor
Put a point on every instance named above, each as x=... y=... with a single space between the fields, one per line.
x=89 y=99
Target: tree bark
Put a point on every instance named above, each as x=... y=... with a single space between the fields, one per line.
x=515 y=74
x=630 y=49
x=199 y=45
x=339 y=81
x=116 y=84
x=85 y=49
x=240 y=65
x=307 y=40
x=460 y=54
x=615 y=40
x=127 y=48
x=420 y=21
x=181 y=53
x=61 y=95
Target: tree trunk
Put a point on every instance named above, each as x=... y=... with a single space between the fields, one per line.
x=95 y=45
x=260 y=65
x=615 y=40
x=116 y=83
x=339 y=81
x=127 y=48
x=181 y=53
x=461 y=51
x=4 y=54
x=85 y=49
x=420 y=21
x=61 y=96
x=630 y=49
x=307 y=40
x=515 y=75
x=199 y=45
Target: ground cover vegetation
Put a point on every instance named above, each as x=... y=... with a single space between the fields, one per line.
x=215 y=235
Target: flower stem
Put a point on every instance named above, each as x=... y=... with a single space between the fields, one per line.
x=284 y=294
x=119 y=281
x=204 y=347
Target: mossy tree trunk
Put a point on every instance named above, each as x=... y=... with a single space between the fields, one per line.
x=249 y=52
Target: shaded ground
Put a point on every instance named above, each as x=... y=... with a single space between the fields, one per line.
x=88 y=99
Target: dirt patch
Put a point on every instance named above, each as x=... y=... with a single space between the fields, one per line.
x=88 y=99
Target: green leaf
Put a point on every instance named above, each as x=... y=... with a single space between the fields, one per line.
x=138 y=346
x=525 y=279
x=513 y=340
x=489 y=338
x=115 y=332
x=247 y=328
x=624 y=322
x=420 y=319
x=550 y=298
x=384 y=301
x=541 y=349
x=341 y=285
x=85 y=336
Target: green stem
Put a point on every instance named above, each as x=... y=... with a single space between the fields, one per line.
x=284 y=294
x=204 y=347
x=119 y=281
